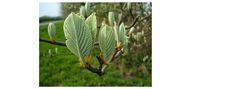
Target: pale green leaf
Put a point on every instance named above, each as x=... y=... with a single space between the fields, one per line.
x=123 y=38
x=120 y=17
x=111 y=18
x=125 y=46
x=51 y=31
x=107 y=42
x=79 y=37
x=87 y=8
x=116 y=31
x=91 y=21
x=82 y=11
x=121 y=33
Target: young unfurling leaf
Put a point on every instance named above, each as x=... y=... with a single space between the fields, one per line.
x=125 y=46
x=111 y=18
x=51 y=31
x=82 y=11
x=107 y=42
x=91 y=21
x=87 y=8
x=121 y=33
x=120 y=18
x=116 y=31
x=123 y=38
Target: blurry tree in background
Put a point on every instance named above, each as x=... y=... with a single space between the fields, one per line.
x=67 y=8
x=137 y=15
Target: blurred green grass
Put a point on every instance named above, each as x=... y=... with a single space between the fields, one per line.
x=63 y=69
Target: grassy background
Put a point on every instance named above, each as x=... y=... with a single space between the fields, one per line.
x=63 y=69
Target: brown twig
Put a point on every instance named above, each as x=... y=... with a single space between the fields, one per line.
x=130 y=11
x=101 y=70
x=136 y=22
x=122 y=7
x=57 y=42
x=52 y=42
x=94 y=70
x=116 y=54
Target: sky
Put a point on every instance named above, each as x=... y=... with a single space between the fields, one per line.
x=50 y=9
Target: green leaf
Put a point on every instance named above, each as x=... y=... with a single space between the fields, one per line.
x=51 y=31
x=125 y=46
x=123 y=38
x=87 y=8
x=116 y=31
x=91 y=21
x=79 y=37
x=107 y=42
x=121 y=33
x=111 y=18
x=119 y=18
x=82 y=11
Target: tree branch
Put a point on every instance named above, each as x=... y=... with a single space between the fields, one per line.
x=94 y=70
x=116 y=54
x=101 y=70
x=52 y=42
x=136 y=22
x=130 y=11
x=57 y=42
x=121 y=7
